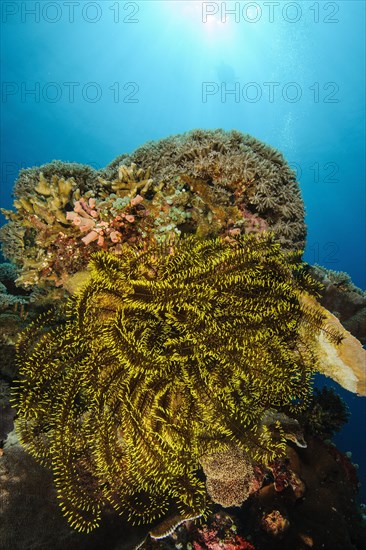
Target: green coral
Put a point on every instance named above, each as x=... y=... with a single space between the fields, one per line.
x=165 y=355
x=8 y=272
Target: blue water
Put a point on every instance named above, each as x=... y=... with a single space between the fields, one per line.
x=86 y=81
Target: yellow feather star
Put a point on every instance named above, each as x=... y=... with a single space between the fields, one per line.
x=165 y=355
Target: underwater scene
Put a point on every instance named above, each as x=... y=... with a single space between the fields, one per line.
x=182 y=275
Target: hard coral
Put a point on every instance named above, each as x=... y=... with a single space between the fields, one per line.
x=60 y=229
x=230 y=476
x=85 y=177
x=164 y=355
x=41 y=217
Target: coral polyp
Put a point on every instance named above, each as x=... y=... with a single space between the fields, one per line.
x=166 y=354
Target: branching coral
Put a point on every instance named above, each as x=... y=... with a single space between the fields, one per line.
x=41 y=217
x=57 y=225
x=85 y=177
x=166 y=354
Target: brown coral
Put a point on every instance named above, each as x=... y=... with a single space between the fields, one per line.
x=39 y=219
x=230 y=476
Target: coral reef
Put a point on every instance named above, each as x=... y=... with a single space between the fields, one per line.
x=323 y=515
x=204 y=183
x=85 y=177
x=8 y=274
x=126 y=393
x=216 y=532
x=177 y=378
x=231 y=167
x=343 y=299
x=11 y=298
x=13 y=319
x=49 y=223
x=40 y=219
x=17 y=309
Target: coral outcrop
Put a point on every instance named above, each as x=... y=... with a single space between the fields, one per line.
x=177 y=378
x=205 y=183
x=230 y=168
x=36 y=225
x=323 y=514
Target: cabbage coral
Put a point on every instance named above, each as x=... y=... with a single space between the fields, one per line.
x=166 y=355
x=230 y=476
